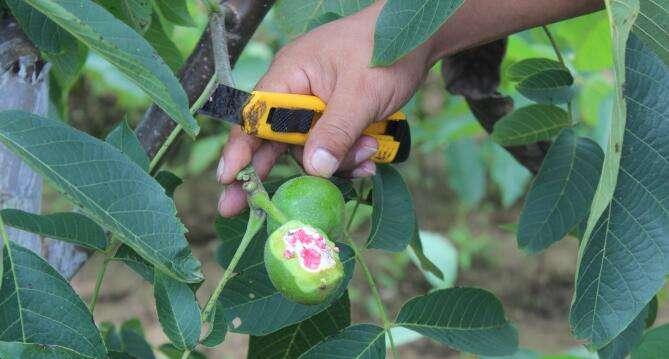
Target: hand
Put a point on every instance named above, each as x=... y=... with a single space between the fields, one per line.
x=331 y=62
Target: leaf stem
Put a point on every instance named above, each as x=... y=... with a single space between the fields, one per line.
x=109 y=254
x=199 y=102
x=256 y=195
x=368 y=274
x=558 y=53
x=185 y=354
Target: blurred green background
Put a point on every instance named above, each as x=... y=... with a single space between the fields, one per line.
x=468 y=190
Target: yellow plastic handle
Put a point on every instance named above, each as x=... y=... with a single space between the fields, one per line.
x=257 y=110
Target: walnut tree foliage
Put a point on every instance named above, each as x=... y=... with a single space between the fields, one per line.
x=615 y=199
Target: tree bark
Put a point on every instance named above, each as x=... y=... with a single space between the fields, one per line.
x=243 y=18
x=24 y=85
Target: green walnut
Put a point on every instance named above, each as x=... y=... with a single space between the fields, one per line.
x=302 y=263
x=312 y=200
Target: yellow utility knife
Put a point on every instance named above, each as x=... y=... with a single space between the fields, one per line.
x=288 y=118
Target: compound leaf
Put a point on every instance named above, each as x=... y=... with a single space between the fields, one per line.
x=38 y=306
x=654 y=344
x=528 y=67
x=110 y=189
x=18 y=350
x=623 y=344
x=651 y=26
x=551 y=86
x=393 y=217
x=467 y=319
x=178 y=311
x=530 y=124
x=561 y=193
x=124 y=139
x=356 y=342
x=157 y=37
x=135 y=13
x=405 y=24
x=124 y=48
x=623 y=264
x=175 y=11
x=69 y=227
x=290 y=342
x=297 y=16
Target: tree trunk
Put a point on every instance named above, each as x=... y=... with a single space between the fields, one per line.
x=24 y=85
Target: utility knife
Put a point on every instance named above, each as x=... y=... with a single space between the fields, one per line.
x=288 y=118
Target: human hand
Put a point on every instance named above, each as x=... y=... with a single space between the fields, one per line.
x=331 y=62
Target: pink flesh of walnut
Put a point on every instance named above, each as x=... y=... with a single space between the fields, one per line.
x=311 y=248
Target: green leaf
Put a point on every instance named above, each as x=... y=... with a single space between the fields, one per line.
x=169 y=181
x=178 y=311
x=651 y=27
x=561 y=193
x=466 y=171
x=548 y=87
x=66 y=54
x=124 y=48
x=290 y=342
x=393 y=217
x=466 y=319
x=623 y=264
x=323 y=19
x=405 y=24
x=173 y=352
x=623 y=344
x=135 y=13
x=109 y=188
x=175 y=11
x=135 y=262
x=530 y=124
x=249 y=299
x=157 y=37
x=443 y=256
x=510 y=176
x=124 y=139
x=69 y=227
x=652 y=312
x=295 y=16
x=17 y=350
x=622 y=14
x=357 y=341
x=528 y=67
x=426 y=264
x=134 y=343
x=111 y=337
x=38 y=306
x=654 y=344
x=218 y=328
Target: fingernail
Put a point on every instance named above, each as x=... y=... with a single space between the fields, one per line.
x=367 y=169
x=365 y=153
x=324 y=163
x=220 y=169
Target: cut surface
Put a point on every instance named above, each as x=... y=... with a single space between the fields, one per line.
x=310 y=247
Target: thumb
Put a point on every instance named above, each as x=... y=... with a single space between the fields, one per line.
x=346 y=115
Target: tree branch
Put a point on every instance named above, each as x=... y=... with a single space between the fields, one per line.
x=242 y=20
x=475 y=74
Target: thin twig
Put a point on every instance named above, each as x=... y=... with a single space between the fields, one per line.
x=368 y=274
x=108 y=257
x=558 y=53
